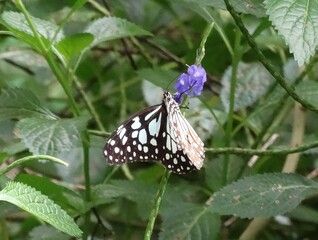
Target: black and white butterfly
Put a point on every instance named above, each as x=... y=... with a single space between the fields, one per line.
x=157 y=133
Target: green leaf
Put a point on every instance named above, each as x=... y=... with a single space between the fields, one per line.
x=46 y=233
x=252 y=82
x=21 y=103
x=296 y=21
x=50 y=137
x=45 y=28
x=308 y=90
x=189 y=221
x=78 y=4
x=109 y=28
x=304 y=213
x=39 y=205
x=263 y=195
x=3 y=157
x=158 y=76
x=214 y=171
x=253 y=7
x=29 y=158
x=139 y=192
x=60 y=195
x=202 y=119
x=72 y=45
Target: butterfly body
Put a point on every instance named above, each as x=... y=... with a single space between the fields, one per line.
x=157 y=133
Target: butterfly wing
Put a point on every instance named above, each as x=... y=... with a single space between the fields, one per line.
x=136 y=139
x=187 y=139
x=155 y=134
x=174 y=158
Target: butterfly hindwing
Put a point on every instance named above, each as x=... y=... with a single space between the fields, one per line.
x=188 y=140
x=174 y=159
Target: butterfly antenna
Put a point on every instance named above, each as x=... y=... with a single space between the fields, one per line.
x=172 y=80
x=188 y=89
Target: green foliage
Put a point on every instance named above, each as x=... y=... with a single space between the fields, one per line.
x=17 y=21
x=263 y=195
x=189 y=221
x=71 y=46
x=297 y=24
x=110 y=28
x=157 y=76
x=39 y=205
x=252 y=82
x=309 y=91
x=19 y=27
x=45 y=136
x=21 y=103
x=139 y=192
x=71 y=71
x=46 y=233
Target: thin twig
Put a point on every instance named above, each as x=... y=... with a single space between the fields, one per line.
x=260 y=152
x=155 y=208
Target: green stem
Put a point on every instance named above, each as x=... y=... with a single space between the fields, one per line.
x=249 y=151
x=49 y=56
x=89 y=104
x=60 y=77
x=220 y=30
x=281 y=102
x=229 y=126
x=63 y=78
x=99 y=7
x=155 y=208
x=20 y=6
x=201 y=51
x=85 y=143
x=30 y=158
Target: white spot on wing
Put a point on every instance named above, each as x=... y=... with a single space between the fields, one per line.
x=174 y=147
x=145 y=149
x=168 y=143
x=122 y=133
x=134 y=134
x=136 y=123
x=124 y=140
x=153 y=142
x=142 y=137
x=153 y=127
x=149 y=115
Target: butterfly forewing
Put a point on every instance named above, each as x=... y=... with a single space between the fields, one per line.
x=158 y=133
x=136 y=139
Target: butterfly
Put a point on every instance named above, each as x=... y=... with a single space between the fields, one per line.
x=157 y=133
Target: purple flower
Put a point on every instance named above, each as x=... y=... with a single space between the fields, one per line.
x=190 y=83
